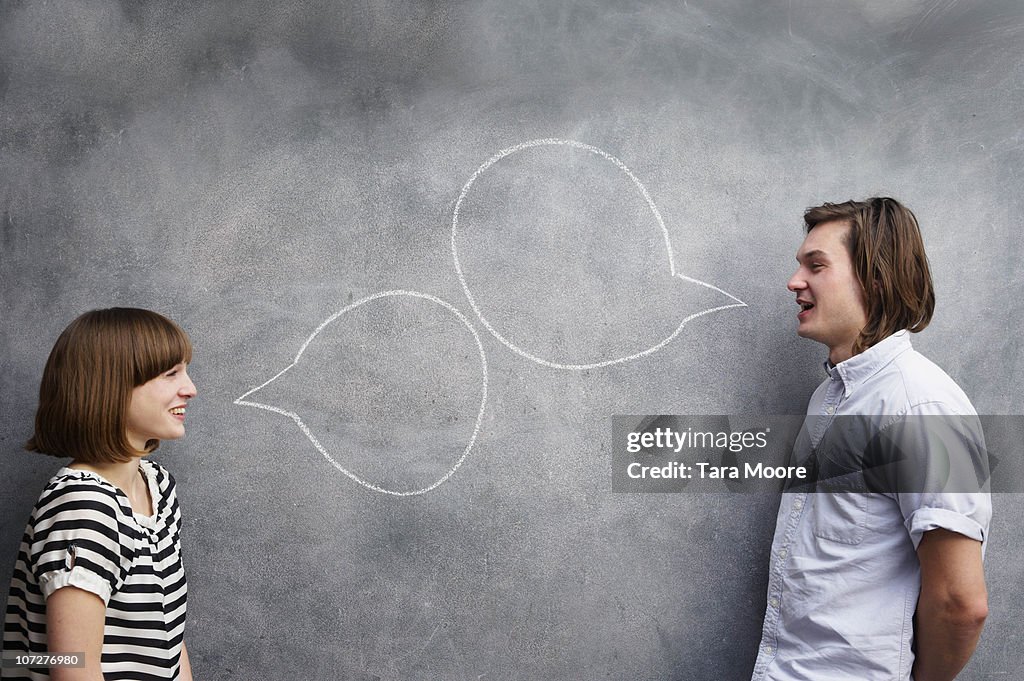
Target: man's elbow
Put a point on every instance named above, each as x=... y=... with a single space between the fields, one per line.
x=976 y=612
x=966 y=612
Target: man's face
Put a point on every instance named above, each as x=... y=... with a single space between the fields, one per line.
x=832 y=305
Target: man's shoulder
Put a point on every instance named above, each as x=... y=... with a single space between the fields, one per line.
x=916 y=381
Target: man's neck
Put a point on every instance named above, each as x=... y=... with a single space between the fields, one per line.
x=840 y=354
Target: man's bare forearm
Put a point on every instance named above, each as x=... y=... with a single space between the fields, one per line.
x=945 y=640
x=952 y=607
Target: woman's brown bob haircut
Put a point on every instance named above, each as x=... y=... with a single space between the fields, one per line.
x=888 y=256
x=89 y=377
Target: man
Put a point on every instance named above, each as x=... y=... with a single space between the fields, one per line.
x=870 y=584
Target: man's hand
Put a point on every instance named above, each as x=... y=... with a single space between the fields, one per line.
x=952 y=607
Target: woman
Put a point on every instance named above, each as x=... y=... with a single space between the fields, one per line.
x=99 y=570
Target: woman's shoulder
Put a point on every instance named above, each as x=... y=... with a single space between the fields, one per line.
x=81 y=533
x=80 y=501
x=76 y=486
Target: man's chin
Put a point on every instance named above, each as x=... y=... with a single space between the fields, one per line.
x=805 y=332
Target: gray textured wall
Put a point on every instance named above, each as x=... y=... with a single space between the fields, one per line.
x=252 y=169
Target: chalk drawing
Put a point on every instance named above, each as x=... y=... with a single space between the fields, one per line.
x=316 y=443
x=657 y=216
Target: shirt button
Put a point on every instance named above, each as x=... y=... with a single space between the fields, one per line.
x=830 y=409
x=782 y=553
x=774 y=602
x=798 y=504
x=768 y=649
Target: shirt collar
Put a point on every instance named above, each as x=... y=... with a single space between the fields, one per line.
x=859 y=368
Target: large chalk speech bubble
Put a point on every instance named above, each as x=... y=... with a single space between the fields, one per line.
x=547 y=361
x=244 y=400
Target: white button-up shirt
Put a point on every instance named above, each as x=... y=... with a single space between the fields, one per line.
x=844 y=577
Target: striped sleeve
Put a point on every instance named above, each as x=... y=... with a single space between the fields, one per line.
x=79 y=539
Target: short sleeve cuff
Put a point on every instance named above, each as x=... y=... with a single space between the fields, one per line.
x=927 y=519
x=77 y=576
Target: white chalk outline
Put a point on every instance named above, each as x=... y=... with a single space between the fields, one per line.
x=316 y=443
x=657 y=215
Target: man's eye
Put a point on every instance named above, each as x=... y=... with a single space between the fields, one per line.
x=816 y=266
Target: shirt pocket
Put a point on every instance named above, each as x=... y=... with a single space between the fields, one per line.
x=840 y=516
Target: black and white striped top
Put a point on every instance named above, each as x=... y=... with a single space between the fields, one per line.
x=83 y=533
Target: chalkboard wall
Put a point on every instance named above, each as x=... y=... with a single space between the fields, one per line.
x=482 y=229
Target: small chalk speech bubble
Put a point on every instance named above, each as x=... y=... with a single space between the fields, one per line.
x=375 y=396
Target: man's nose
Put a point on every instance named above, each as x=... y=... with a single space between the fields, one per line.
x=796 y=282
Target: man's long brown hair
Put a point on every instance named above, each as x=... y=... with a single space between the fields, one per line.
x=885 y=244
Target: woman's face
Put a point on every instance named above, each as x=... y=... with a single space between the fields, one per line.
x=156 y=410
